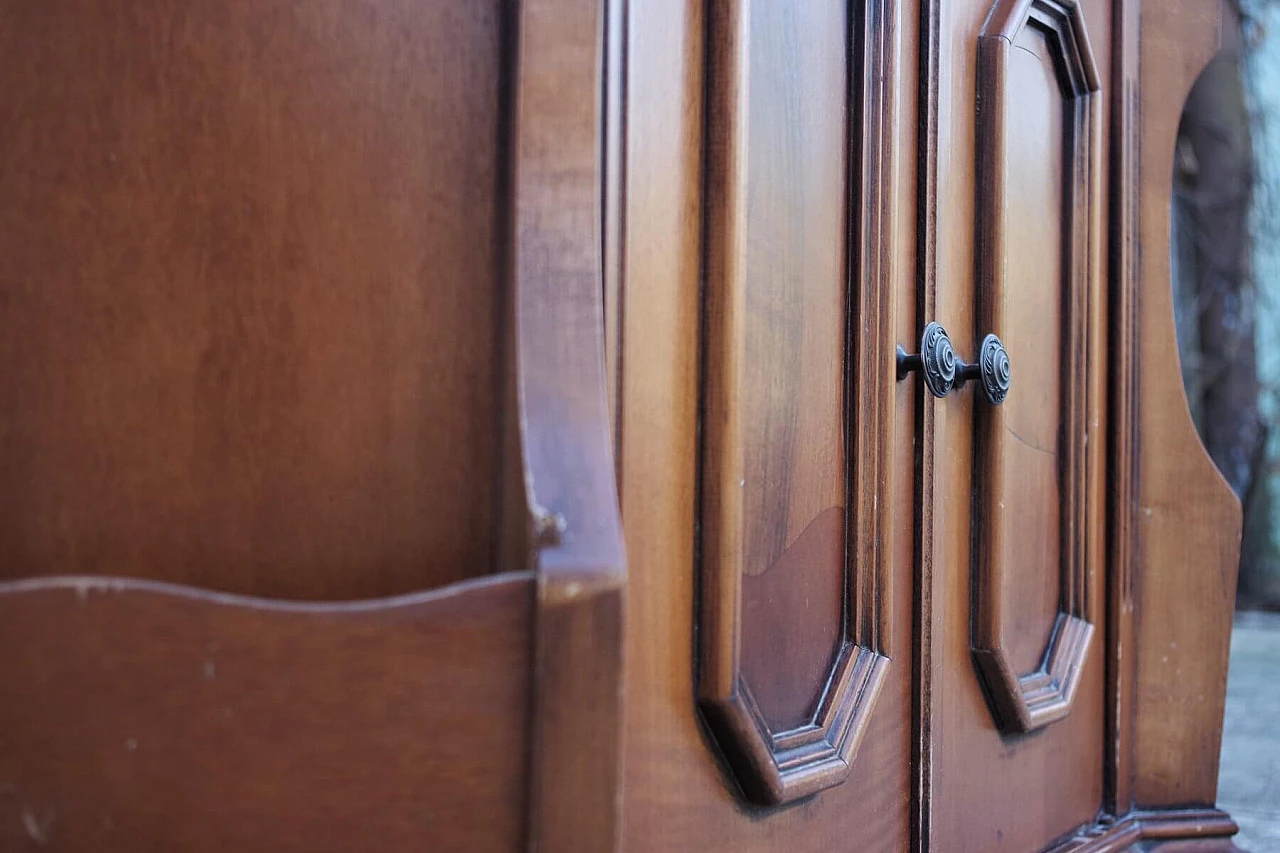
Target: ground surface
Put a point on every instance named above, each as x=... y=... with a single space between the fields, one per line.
x=1249 y=783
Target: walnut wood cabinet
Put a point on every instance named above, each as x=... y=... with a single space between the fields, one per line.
x=602 y=425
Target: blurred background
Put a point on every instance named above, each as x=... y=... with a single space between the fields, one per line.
x=1226 y=282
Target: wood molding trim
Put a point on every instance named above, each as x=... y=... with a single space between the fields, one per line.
x=1022 y=702
x=1122 y=462
x=780 y=766
x=1111 y=836
x=565 y=427
x=928 y=583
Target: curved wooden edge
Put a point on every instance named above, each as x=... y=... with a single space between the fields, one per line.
x=1111 y=836
x=86 y=585
x=779 y=768
x=146 y=716
x=1188 y=522
x=564 y=426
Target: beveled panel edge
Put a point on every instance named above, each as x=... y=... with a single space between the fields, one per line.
x=1025 y=702
x=774 y=768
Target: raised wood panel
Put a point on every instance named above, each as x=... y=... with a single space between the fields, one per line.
x=796 y=383
x=252 y=329
x=1038 y=270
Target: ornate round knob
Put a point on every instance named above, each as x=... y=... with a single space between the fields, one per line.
x=936 y=361
x=943 y=371
x=993 y=364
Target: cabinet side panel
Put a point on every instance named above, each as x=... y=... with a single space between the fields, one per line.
x=1188 y=520
x=251 y=333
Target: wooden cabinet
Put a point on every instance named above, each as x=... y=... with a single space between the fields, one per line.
x=602 y=425
x=908 y=621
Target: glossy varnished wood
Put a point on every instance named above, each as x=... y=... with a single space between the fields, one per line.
x=774 y=451
x=137 y=716
x=1038 y=787
x=305 y=302
x=1039 y=273
x=1124 y=348
x=793 y=598
x=1074 y=541
x=1189 y=830
x=252 y=314
x=363 y=300
x=679 y=796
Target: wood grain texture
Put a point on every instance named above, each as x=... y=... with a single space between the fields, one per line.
x=1036 y=787
x=678 y=795
x=1188 y=531
x=251 y=331
x=793 y=611
x=258 y=322
x=566 y=436
x=794 y=425
x=367 y=279
x=1039 y=270
x=139 y=716
x=774 y=454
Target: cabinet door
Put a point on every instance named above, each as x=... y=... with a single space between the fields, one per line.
x=1013 y=557
x=766 y=452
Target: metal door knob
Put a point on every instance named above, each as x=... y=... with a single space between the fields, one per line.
x=992 y=369
x=936 y=361
x=943 y=371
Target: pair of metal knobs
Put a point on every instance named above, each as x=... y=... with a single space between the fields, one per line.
x=943 y=370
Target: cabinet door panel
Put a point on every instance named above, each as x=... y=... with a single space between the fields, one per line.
x=1037 y=264
x=1012 y=539
x=794 y=385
